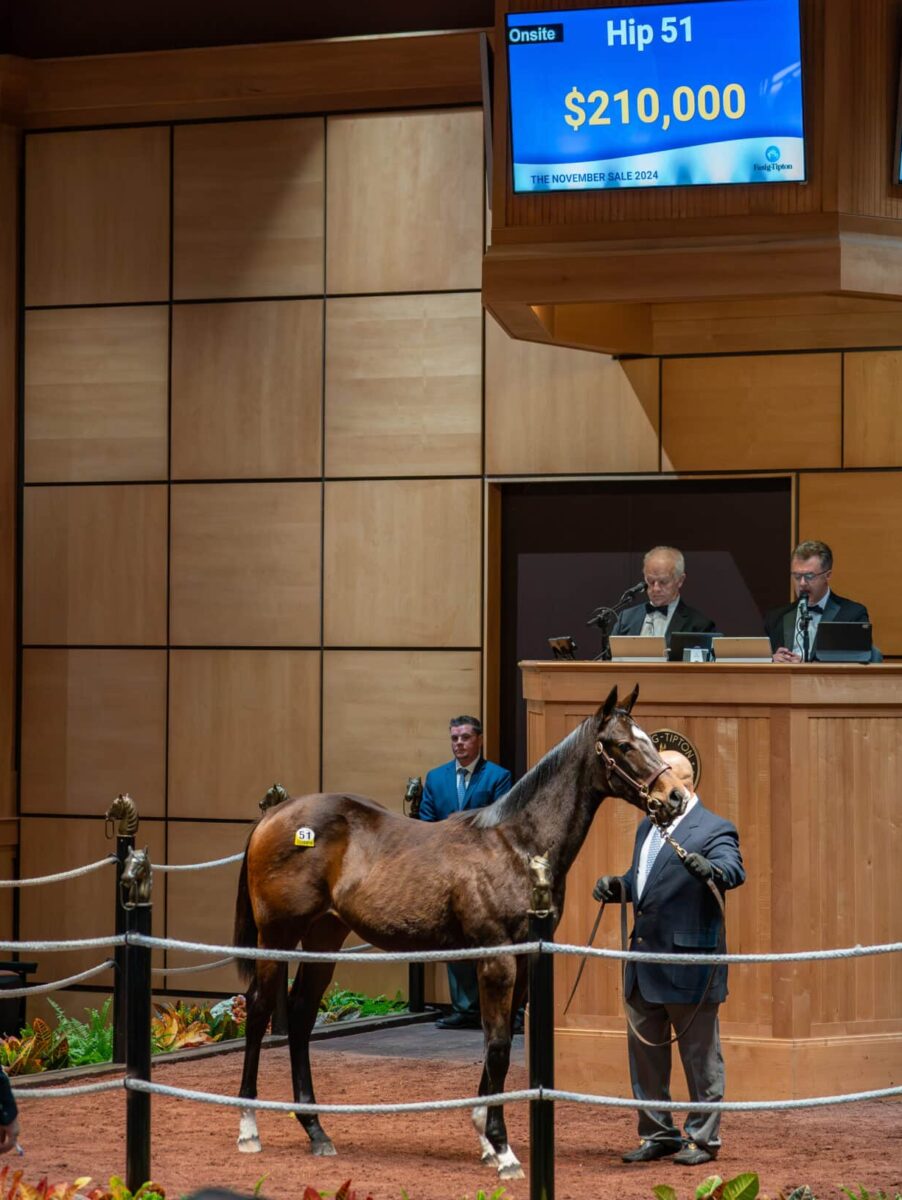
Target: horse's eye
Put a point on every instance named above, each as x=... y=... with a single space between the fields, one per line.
x=623 y=747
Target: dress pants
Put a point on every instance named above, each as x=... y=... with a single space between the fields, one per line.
x=650 y=1067
x=464 y=987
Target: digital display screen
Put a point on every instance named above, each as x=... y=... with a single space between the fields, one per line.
x=665 y=95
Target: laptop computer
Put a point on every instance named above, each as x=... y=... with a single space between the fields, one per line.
x=742 y=649
x=634 y=648
x=842 y=641
x=688 y=641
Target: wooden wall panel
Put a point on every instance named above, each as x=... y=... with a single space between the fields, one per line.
x=248 y=209
x=402 y=563
x=417 y=692
x=404 y=385
x=551 y=410
x=96 y=394
x=10 y=146
x=240 y=721
x=247 y=390
x=765 y=412
x=231 y=586
x=200 y=905
x=859 y=515
x=82 y=907
x=871 y=426
x=93 y=725
x=97 y=217
x=426 y=236
x=95 y=565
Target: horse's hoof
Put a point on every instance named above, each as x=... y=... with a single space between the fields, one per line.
x=489 y=1158
x=509 y=1165
x=323 y=1149
x=249 y=1145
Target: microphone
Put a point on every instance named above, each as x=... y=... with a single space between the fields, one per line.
x=633 y=591
x=804 y=614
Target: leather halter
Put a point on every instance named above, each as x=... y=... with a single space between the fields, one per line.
x=653 y=807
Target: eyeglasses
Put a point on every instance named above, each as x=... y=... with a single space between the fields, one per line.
x=807 y=576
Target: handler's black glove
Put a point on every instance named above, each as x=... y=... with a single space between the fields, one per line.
x=701 y=867
x=608 y=888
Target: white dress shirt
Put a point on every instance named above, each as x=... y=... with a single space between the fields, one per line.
x=797 y=641
x=642 y=869
x=655 y=624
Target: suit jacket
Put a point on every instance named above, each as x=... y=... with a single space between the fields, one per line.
x=780 y=623
x=684 y=620
x=487 y=783
x=676 y=912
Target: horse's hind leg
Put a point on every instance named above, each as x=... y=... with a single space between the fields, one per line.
x=261 y=999
x=499 y=987
x=311 y=981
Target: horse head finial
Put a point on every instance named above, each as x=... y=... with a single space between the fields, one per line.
x=540 y=878
x=136 y=882
x=274 y=796
x=125 y=811
x=413 y=794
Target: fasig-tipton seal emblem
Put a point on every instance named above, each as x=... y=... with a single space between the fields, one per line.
x=669 y=739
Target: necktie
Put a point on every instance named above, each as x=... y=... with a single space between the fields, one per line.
x=461 y=786
x=654 y=850
x=653 y=608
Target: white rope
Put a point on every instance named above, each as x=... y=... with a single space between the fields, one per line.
x=141 y=1085
x=717 y=959
x=81 y=1089
x=201 y=866
x=219 y=962
x=37 y=989
x=114 y=939
x=15 y=883
x=722 y=1105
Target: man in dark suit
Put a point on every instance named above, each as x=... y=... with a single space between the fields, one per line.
x=811 y=569
x=676 y=912
x=665 y=612
x=468 y=781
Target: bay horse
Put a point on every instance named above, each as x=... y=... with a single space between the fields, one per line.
x=406 y=885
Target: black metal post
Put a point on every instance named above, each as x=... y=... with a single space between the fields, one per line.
x=137 y=1057
x=541 y=1058
x=124 y=844
x=416 y=987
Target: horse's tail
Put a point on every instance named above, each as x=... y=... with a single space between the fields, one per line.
x=245 y=925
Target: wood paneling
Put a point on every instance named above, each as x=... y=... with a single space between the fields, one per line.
x=240 y=721
x=230 y=81
x=426 y=237
x=871 y=426
x=421 y=690
x=201 y=904
x=404 y=385
x=84 y=907
x=248 y=209
x=93 y=725
x=96 y=394
x=402 y=563
x=97 y=217
x=232 y=584
x=95 y=565
x=552 y=410
x=247 y=390
x=10 y=142
x=859 y=515
x=768 y=412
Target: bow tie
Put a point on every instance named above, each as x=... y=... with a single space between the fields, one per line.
x=653 y=608
x=816 y=608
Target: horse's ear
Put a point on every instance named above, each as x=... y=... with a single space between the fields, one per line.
x=608 y=707
x=631 y=699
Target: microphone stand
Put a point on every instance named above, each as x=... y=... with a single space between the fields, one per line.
x=606 y=618
x=804 y=622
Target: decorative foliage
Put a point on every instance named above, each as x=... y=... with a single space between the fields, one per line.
x=12 y=1187
x=38 y=1049
x=338 y=1004
x=344 y=1193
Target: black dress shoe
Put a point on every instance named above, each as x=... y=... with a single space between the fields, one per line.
x=649 y=1151
x=458 y=1020
x=692 y=1155
x=517 y=1024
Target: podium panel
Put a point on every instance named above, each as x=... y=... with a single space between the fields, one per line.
x=804 y=760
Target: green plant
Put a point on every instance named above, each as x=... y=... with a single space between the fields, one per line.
x=12 y=1187
x=742 y=1187
x=500 y=1193
x=339 y=1004
x=89 y=1041
x=864 y=1194
x=343 y=1193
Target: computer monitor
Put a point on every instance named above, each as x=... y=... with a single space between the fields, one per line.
x=688 y=641
x=842 y=641
x=629 y=647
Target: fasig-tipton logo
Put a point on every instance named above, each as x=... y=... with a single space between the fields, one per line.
x=529 y=35
x=773 y=156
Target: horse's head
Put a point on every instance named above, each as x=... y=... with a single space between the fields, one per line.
x=630 y=764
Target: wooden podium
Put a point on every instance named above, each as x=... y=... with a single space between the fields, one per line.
x=806 y=761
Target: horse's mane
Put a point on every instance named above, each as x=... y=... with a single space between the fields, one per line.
x=523 y=791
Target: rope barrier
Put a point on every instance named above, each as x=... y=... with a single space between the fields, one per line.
x=201 y=866
x=38 y=989
x=721 y=1105
x=114 y=939
x=717 y=959
x=78 y=1089
x=73 y=874
x=218 y=962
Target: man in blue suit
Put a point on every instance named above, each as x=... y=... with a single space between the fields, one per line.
x=467 y=781
x=675 y=912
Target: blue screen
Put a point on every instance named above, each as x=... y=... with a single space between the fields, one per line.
x=656 y=96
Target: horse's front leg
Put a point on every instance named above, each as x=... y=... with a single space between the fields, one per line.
x=261 y=999
x=497 y=992
x=309 y=985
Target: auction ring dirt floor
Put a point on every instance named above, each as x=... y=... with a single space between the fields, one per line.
x=433 y=1156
